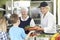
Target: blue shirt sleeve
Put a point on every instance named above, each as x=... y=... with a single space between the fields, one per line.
x=23 y=34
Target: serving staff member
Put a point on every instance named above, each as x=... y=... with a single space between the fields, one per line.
x=48 y=21
x=25 y=19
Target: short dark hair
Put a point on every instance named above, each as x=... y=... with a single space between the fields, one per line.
x=14 y=18
x=43 y=4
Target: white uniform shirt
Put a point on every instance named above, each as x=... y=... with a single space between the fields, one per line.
x=48 y=23
x=32 y=23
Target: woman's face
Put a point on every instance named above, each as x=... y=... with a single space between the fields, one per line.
x=24 y=12
x=44 y=10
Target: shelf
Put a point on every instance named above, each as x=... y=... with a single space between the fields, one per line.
x=36 y=18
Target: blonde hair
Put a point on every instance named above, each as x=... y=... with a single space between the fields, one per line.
x=48 y=8
x=3 y=24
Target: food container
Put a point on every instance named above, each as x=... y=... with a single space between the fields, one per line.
x=42 y=38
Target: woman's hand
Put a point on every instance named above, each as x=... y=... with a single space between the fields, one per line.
x=36 y=28
x=40 y=29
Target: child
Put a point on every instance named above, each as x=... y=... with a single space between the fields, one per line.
x=15 y=32
x=3 y=27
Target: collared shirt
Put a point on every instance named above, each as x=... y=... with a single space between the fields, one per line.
x=17 y=33
x=48 y=22
x=3 y=36
x=32 y=23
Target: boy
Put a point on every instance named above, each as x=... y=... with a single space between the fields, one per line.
x=15 y=32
